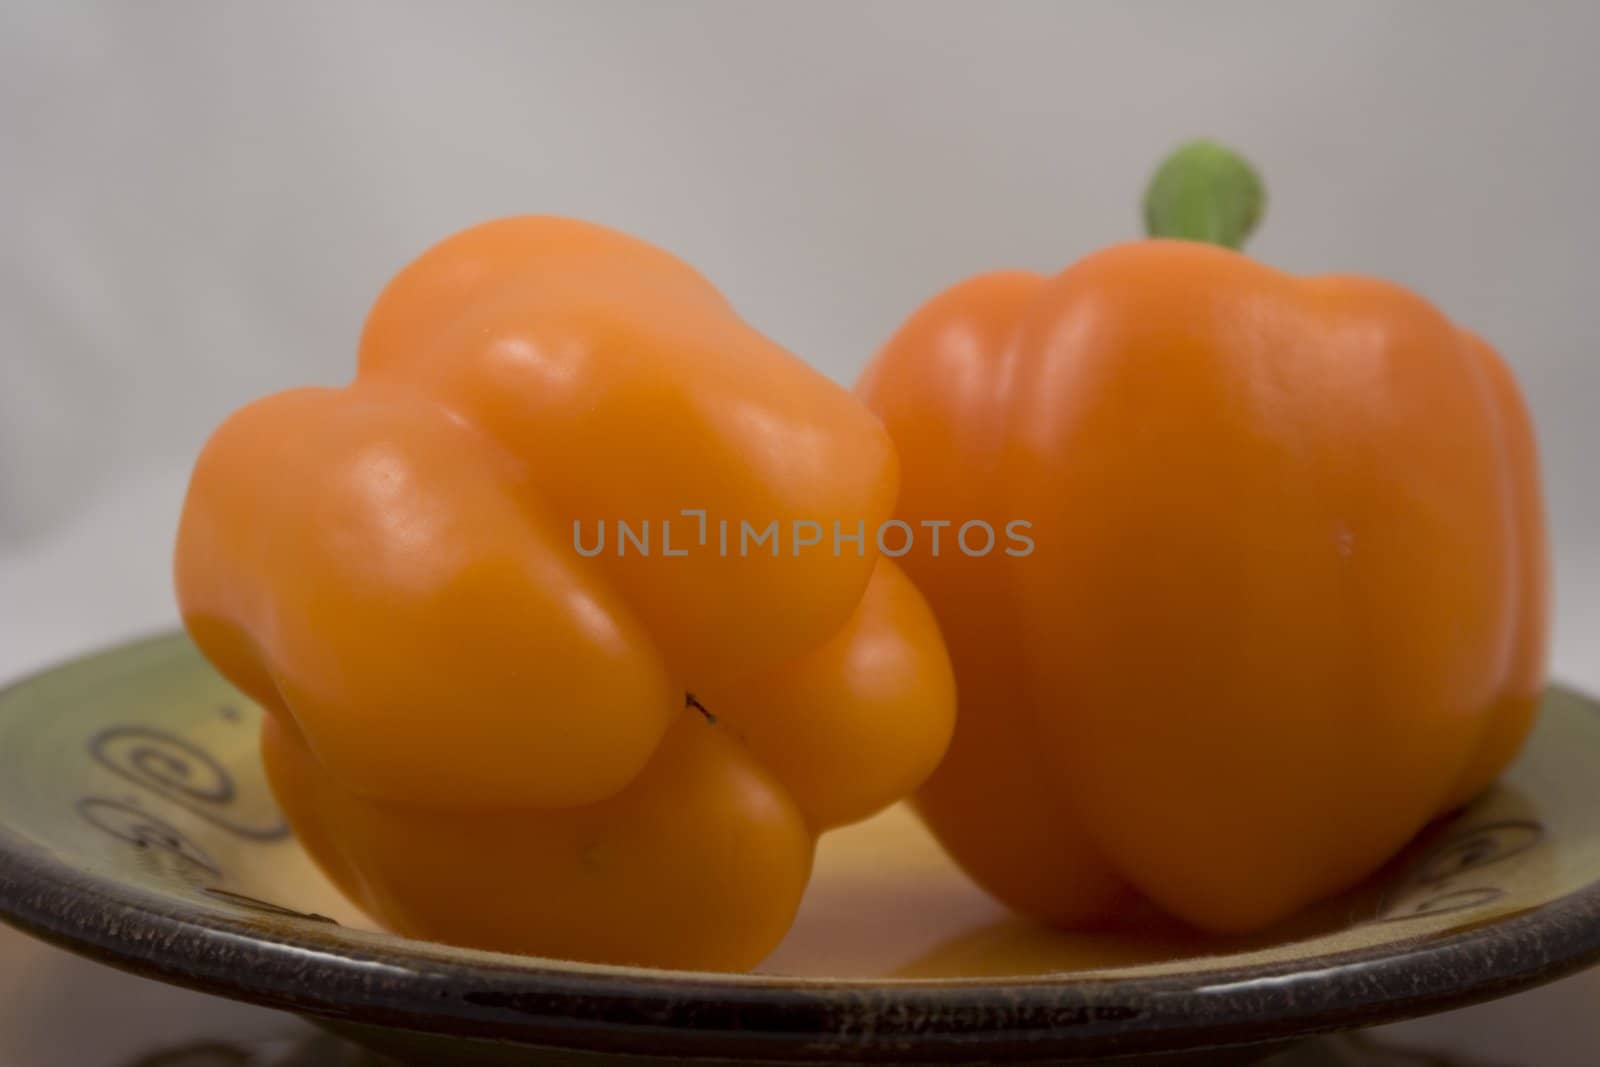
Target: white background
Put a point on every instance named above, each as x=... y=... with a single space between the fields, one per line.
x=199 y=200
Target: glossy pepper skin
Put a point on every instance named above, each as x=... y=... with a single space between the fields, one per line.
x=488 y=738
x=1287 y=600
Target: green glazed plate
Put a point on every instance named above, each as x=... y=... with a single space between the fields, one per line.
x=135 y=827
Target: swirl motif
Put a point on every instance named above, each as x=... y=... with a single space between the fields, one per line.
x=126 y=822
x=1479 y=847
x=1443 y=903
x=1433 y=887
x=179 y=771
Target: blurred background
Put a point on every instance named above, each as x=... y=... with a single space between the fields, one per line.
x=200 y=200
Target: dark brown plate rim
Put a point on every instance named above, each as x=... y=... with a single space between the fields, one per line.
x=293 y=966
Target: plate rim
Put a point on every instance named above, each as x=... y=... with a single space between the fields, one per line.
x=551 y=1004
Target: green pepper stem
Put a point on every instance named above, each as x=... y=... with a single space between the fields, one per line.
x=1204 y=192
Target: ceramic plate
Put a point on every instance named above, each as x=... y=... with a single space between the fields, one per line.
x=135 y=827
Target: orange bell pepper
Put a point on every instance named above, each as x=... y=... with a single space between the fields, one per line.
x=1287 y=597
x=491 y=733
